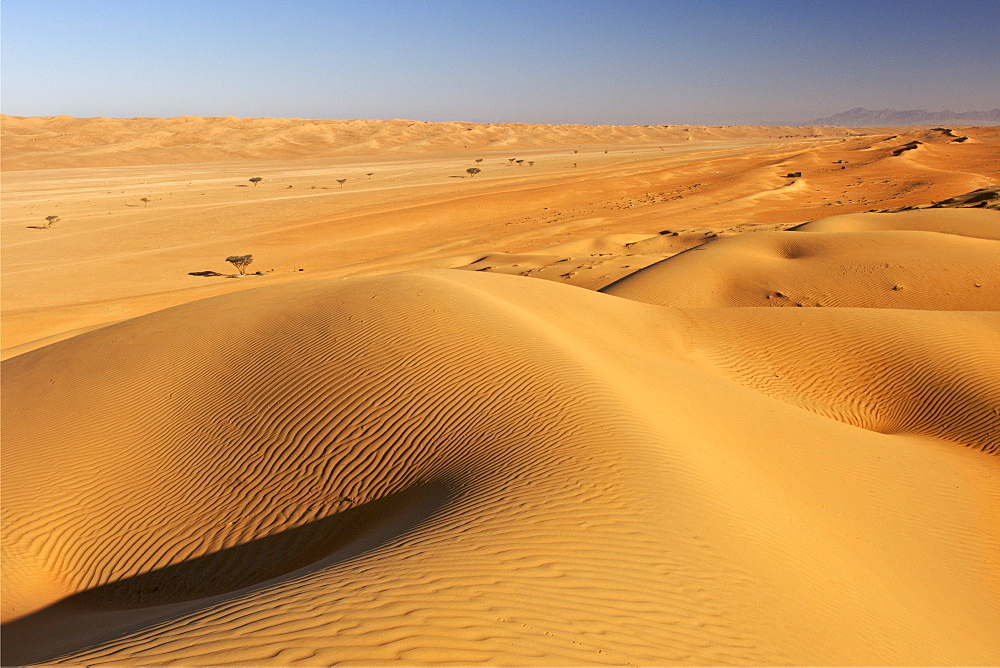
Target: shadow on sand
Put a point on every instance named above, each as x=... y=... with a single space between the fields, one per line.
x=112 y=610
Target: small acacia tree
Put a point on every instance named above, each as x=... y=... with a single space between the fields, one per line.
x=519 y=162
x=241 y=262
x=255 y=180
x=145 y=201
x=478 y=160
x=341 y=182
x=49 y=220
x=511 y=160
x=473 y=171
x=369 y=175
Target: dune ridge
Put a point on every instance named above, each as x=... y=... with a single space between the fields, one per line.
x=64 y=141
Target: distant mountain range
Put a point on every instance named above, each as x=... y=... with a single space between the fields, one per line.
x=861 y=117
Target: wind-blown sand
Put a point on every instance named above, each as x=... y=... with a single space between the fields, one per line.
x=412 y=453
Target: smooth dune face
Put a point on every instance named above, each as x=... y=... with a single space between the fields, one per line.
x=636 y=460
x=879 y=269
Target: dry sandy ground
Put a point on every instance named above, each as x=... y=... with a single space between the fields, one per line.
x=393 y=447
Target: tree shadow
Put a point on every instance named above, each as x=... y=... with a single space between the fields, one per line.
x=207 y=272
x=112 y=610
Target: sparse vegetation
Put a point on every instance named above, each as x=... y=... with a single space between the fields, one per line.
x=49 y=220
x=241 y=262
x=519 y=162
x=511 y=160
x=478 y=160
x=255 y=180
x=145 y=201
x=341 y=182
x=531 y=163
x=369 y=175
x=473 y=171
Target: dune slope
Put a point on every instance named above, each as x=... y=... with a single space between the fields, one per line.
x=636 y=461
x=458 y=467
x=926 y=268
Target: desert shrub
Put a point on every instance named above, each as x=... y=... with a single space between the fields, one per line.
x=241 y=262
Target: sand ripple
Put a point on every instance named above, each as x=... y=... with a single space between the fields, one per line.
x=463 y=467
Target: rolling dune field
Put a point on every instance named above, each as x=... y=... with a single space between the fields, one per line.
x=749 y=414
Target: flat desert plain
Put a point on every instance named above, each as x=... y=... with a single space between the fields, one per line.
x=626 y=396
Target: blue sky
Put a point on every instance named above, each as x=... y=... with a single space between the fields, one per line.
x=533 y=61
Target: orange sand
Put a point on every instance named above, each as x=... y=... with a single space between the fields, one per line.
x=411 y=453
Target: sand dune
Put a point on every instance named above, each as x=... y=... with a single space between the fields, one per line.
x=64 y=141
x=130 y=239
x=873 y=269
x=446 y=466
x=412 y=453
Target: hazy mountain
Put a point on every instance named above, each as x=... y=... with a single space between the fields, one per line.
x=861 y=117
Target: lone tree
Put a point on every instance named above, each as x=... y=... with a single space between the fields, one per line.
x=519 y=162
x=369 y=175
x=255 y=180
x=240 y=262
x=512 y=160
x=145 y=201
x=341 y=182
x=473 y=171
x=478 y=160
x=49 y=220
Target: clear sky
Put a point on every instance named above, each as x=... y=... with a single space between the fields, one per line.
x=533 y=61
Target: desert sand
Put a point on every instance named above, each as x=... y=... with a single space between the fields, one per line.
x=652 y=395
